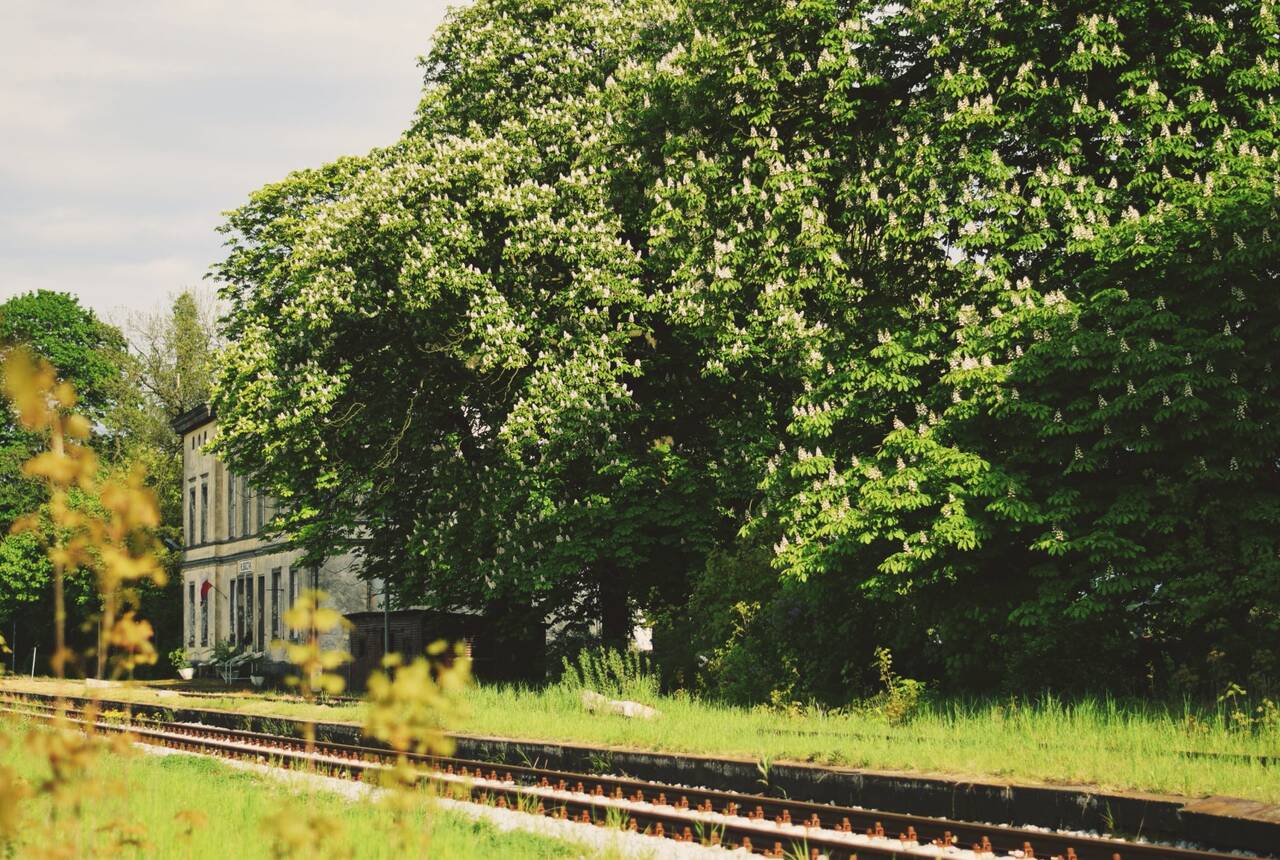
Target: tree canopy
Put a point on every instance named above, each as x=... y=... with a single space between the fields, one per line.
x=801 y=329
x=79 y=345
x=131 y=384
x=83 y=351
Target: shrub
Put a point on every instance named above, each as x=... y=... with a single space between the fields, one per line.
x=619 y=674
x=902 y=699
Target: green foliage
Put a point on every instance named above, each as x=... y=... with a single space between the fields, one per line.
x=737 y=637
x=224 y=650
x=902 y=699
x=165 y=372
x=84 y=350
x=476 y=275
x=24 y=570
x=178 y=658
x=131 y=387
x=609 y=672
x=966 y=309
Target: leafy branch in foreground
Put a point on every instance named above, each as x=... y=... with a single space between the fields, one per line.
x=312 y=619
x=88 y=524
x=408 y=705
x=106 y=526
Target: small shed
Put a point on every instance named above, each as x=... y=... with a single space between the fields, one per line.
x=497 y=651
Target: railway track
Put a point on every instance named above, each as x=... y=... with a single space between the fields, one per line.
x=759 y=824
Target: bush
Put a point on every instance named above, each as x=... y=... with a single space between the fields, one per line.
x=902 y=699
x=224 y=651
x=618 y=674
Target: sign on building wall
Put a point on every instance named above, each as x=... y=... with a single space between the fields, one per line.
x=246 y=566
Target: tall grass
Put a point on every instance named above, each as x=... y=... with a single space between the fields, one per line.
x=1106 y=743
x=179 y=806
x=609 y=672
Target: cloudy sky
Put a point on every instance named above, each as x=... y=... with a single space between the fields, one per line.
x=127 y=127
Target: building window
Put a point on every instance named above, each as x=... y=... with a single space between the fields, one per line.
x=293 y=596
x=244 y=507
x=204 y=617
x=191 y=517
x=262 y=510
x=238 y=612
x=248 y=625
x=191 y=613
x=204 y=510
x=231 y=505
x=275 y=603
x=262 y=611
x=315 y=588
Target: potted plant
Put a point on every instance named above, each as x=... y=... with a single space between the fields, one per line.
x=224 y=651
x=178 y=657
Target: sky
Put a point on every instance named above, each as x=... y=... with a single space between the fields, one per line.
x=128 y=127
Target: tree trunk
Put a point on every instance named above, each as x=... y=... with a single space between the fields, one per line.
x=615 y=614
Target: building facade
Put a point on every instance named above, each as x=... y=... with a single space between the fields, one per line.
x=236 y=582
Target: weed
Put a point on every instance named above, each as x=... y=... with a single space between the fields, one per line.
x=533 y=763
x=526 y=803
x=269 y=726
x=764 y=767
x=601 y=762
x=1108 y=817
x=616 y=818
x=708 y=834
x=799 y=851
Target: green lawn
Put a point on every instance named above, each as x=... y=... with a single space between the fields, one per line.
x=155 y=800
x=1109 y=745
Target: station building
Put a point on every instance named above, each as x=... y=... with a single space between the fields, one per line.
x=236 y=582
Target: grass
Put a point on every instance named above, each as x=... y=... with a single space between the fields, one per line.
x=191 y=807
x=1104 y=744
x=1092 y=742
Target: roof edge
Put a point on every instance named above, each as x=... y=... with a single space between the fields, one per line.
x=191 y=419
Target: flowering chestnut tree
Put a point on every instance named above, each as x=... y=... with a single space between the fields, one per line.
x=967 y=309
x=437 y=349
x=1018 y=263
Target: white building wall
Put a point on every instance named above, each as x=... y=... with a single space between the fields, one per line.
x=226 y=548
